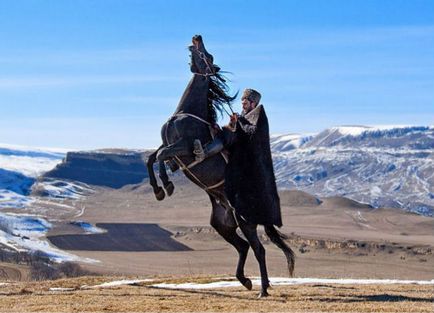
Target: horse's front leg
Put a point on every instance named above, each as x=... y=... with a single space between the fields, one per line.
x=158 y=191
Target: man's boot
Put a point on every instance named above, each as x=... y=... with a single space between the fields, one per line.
x=201 y=153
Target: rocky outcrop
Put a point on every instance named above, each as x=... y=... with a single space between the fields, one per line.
x=298 y=198
x=113 y=168
x=306 y=244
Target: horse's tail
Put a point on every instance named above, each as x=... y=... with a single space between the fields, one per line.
x=277 y=237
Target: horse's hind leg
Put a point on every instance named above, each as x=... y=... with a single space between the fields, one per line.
x=249 y=230
x=168 y=185
x=158 y=191
x=277 y=238
x=177 y=149
x=224 y=223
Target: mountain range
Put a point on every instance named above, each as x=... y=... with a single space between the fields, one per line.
x=387 y=166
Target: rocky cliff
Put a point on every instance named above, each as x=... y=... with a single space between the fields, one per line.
x=112 y=168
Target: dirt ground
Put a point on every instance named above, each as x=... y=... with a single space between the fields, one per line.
x=13 y=272
x=37 y=297
x=398 y=244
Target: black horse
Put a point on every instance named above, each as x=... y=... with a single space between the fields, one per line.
x=204 y=97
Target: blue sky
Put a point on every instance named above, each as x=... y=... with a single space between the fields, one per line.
x=92 y=74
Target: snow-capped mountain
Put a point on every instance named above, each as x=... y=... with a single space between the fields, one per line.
x=288 y=142
x=390 y=166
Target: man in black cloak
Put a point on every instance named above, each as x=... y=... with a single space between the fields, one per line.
x=249 y=178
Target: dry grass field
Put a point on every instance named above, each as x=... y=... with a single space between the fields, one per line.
x=142 y=297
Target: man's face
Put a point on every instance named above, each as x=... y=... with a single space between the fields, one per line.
x=247 y=105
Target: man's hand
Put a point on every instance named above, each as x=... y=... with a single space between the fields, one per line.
x=233 y=121
x=234 y=118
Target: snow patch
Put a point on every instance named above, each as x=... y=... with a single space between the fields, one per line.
x=351 y=130
x=29 y=149
x=61 y=289
x=19 y=168
x=27 y=233
x=117 y=283
x=375 y=191
x=88 y=228
x=278 y=281
x=10 y=199
x=61 y=189
x=358 y=130
x=288 y=142
x=27 y=165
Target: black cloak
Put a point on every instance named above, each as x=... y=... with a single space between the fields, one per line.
x=249 y=178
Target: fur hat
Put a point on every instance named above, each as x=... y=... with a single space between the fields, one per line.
x=251 y=95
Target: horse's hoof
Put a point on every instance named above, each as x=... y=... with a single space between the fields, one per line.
x=263 y=294
x=159 y=194
x=248 y=284
x=169 y=188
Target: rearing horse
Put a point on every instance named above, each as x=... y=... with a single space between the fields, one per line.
x=193 y=119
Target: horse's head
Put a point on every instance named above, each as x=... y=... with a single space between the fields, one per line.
x=201 y=61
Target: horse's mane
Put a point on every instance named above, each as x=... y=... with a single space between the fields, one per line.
x=218 y=96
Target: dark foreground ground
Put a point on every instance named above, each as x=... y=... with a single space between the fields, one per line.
x=127 y=237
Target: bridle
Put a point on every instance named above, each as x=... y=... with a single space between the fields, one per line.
x=203 y=57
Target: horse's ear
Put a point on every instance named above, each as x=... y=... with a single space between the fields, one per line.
x=216 y=68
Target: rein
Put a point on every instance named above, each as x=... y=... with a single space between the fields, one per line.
x=187 y=167
x=193 y=116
